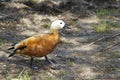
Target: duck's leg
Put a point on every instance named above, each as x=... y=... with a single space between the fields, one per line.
x=31 y=64
x=49 y=60
x=53 y=66
x=31 y=61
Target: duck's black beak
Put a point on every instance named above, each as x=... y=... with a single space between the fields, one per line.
x=66 y=26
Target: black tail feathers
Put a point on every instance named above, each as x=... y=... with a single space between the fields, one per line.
x=11 y=48
x=14 y=52
x=11 y=54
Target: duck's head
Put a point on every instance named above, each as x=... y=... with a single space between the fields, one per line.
x=57 y=25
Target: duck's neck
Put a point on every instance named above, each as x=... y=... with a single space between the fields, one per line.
x=53 y=31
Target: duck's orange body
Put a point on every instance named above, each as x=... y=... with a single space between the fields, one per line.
x=39 y=45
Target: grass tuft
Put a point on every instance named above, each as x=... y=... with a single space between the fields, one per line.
x=102 y=27
x=115 y=24
x=102 y=12
x=115 y=54
x=3 y=41
x=109 y=20
x=107 y=12
x=45 y=23
x=25 y=76
x=117 y=69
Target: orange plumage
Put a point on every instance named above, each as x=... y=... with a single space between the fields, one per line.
x=39 y=45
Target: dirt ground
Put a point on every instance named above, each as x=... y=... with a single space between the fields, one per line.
x=77 y=57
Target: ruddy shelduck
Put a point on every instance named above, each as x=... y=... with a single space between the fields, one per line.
x=40 y=45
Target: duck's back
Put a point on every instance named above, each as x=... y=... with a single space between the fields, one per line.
x=38 y=46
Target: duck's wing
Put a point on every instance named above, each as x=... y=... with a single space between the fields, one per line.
x=26 y=43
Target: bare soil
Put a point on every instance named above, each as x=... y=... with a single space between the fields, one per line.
x=77 y=59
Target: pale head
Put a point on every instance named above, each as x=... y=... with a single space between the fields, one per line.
x=57 y=24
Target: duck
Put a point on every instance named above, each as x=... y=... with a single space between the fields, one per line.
x=39 y=45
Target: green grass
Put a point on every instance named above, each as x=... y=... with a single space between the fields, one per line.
x=24 y=76
x=107 y=26
x=102 y=12
x=117 y=69
x=109 y=20
x=3 y=41
x=8 y=77
x=115 y=54
x=48 y=78
x=107 y=12
x=102 y=27
x=45 y=23
x=113 y=23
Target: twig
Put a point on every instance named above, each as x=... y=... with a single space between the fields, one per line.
x=111 y=46
x=103 y=39
x=21 y=73
x=96 y=41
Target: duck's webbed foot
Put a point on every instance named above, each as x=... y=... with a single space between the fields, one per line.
x=31 y=64
x=53 y=65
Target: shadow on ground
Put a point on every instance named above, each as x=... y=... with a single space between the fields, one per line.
x=78 y=59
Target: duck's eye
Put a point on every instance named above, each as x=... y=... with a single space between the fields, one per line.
x=60 y=22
